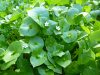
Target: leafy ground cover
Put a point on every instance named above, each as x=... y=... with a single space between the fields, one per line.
x=49 y=37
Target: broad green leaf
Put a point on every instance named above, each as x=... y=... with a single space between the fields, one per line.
x=86 y=29
x=8 y=64
x=36 y=42
x=50 y=44
x=96 y=38
x=87 y=9
x=43 y=70
x=89 y=71
x=56 y=68
x=38 y=57
x=94 y=13
x=65 y=60
x=64 y=25
x=13 y=51
x=72 y=69
x=58 y=51
x=78 y=18
x=29 y=27
x=24 y=66
x=96 y=25
x=69 y=36
x=91 y=68
x=77 y=6
x=82 y=46
x=87 y=55
x=38 y=12
x=71 y=14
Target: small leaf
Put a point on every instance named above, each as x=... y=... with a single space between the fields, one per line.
x=43 y=70
x=86 y=29
x=69 y=36
x=36 y=42
x=70 y=15
x=29 y=27
x=65 y=60
x=13 y=52
x=38 y=57
x=8 y=64
x=78 y=6
x=56 y=68
x=37 y=13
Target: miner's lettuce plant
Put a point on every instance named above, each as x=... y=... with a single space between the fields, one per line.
x=50 y=37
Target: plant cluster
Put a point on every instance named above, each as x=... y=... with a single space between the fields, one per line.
x=49 y=37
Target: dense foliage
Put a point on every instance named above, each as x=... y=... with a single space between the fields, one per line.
x=49 y=37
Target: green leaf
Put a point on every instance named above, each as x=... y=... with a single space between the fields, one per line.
x=38 y=12
x=29 y=27
x=94 y=13
x=36 y=42
x=93 y=39
x=77 y=6
x=56 y=68
x=86 y=29
x=15 y=15
x=72 y=69
x=70 y=15
x=50 y=44
x=65 y=60
x=69 y=36
x=8 y=64
x=96 y=25
x=43 y=70
x=64 y=25
x=24 y=66
x=81 y=35
x=78 y=18
x=82 y=46
x=38 y=57
x=91 y=68
x=87 y=9
x=13 y=51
